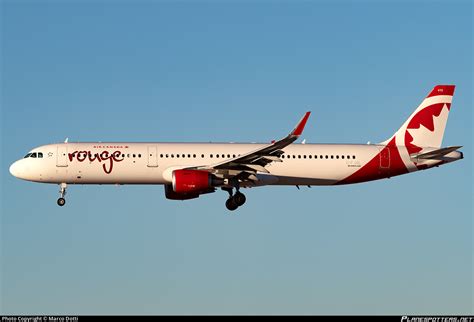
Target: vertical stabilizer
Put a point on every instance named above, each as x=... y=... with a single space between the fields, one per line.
x=425 y=126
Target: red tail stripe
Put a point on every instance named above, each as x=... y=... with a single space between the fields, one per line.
x=442 y=90
x=372 y=170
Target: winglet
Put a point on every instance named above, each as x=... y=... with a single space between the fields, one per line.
x=300 y=127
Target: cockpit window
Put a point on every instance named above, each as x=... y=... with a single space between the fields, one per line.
x=34 y=155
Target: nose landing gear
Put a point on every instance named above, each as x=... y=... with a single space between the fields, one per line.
x=62 y=193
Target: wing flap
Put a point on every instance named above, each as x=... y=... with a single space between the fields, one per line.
x=256 y=167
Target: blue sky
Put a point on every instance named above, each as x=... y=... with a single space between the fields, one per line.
x=234 y=71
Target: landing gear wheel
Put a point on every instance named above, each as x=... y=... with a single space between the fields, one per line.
x=239 y=199
x=230 y=204
x=62 y=193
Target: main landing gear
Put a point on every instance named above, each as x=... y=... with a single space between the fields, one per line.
x=62 y=193
x=235 y=200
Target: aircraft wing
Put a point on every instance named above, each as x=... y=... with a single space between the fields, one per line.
x=246 y=165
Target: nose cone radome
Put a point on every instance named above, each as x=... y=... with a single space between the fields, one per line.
x=15 y=169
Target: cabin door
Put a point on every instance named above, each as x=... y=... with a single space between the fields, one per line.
x=152 y=156
x=61 y=156
x=385 y=158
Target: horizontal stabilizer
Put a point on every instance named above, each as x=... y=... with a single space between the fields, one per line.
x=438 y=153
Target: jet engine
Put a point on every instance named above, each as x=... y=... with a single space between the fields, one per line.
x=170 y=194
x=191 y=181
x=189 y=184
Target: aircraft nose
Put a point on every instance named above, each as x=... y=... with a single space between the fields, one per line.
x=15 y=169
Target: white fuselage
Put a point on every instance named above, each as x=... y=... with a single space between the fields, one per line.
x=153 y=163
x=188 y=170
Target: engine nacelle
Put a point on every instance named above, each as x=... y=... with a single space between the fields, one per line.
x=170 y=194
x=194 y=181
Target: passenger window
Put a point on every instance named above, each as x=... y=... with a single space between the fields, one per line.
x=172 y=155
x=202 y=155
x=134 y=155
x=337 y=157
x=332 y=156
x=310 y=156
x=189 y=155
x=327 y=156
x=353 y=156
x=211 y=155
x=139 y=155
x=161 y=155
x=217 y=155
x=348 y=156
x=315 y=156
x=233 y=155
x=177 y=155
x=342 y=156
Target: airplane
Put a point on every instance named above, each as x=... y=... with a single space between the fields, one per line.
x=189 y=170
